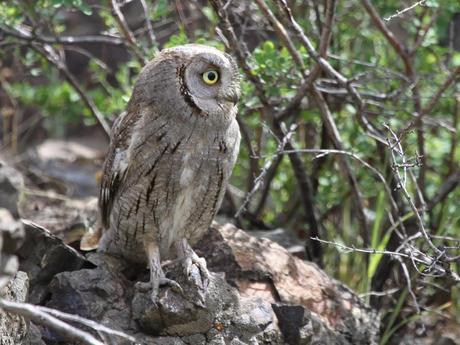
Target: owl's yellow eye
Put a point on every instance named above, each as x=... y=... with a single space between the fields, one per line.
x=211 y=77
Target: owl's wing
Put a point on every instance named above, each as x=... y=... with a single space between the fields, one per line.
x=116 y=163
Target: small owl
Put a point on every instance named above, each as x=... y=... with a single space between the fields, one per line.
x=170 y=157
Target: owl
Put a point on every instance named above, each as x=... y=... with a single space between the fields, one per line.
x=170 y=157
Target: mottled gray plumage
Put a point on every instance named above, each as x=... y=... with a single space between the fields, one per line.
x=170 y=157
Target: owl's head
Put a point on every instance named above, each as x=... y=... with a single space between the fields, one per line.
x=191 y=80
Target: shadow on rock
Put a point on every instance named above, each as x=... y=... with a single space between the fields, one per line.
x=258 y=293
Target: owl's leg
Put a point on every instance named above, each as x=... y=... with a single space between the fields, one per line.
x=157 y=276
x=184 y=251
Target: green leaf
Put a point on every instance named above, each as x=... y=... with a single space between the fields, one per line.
x=456 y=59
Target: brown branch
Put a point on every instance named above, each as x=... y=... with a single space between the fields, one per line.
x=326 y=116
x=405 y=56
x=391 y=38
x=334 y=135
x=437 y=96
x=31 y=312
x=421 y=37
x=306 y=194
x=326 y=33
x=239 y=48
x=281 y=33
x=22 y=32
x=287 y=17
x=259 y=180
x=253 y=161
x=267 y=184
x=325 y=38
x=452 y=182
x=148 y=23
x=127 y=33
x=52 y=57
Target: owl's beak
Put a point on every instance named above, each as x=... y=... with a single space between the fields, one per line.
x=232 y=97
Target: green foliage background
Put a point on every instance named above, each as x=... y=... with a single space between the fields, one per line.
x=357 y=50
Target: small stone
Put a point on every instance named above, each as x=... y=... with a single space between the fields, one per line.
x=11 y=189
x=196 y=339
x=43 y=255
x=11 y=237
x=14 y=328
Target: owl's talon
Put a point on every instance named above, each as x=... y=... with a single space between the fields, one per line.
x=155 y=287
x=143 y=286
x=172 y=284
x=200 y=263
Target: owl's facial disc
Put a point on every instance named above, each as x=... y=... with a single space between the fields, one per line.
x=212 y=82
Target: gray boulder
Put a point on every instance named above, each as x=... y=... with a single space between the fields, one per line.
x=258 y=294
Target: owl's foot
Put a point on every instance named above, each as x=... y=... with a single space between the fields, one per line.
x=157 y=276
x=155 y=287
x=194 y=260
x=191 y=264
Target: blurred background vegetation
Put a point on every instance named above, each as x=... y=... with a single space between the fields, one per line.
x=349 y=115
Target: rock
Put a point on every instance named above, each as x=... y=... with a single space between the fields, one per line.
x=258 y=293
x=11 y=189
x=14 y=284
x=285 y=239
x=262 y=268
x=13 y=328
x=68 y=165
x=300 y=326
x=106 y=295
x=11 y=237
x=42 y=256
x=101 y=293
x=11 y=230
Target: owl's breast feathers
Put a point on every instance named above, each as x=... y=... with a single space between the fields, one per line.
x=187 y=171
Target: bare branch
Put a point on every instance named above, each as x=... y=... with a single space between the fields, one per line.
x=437 y=96
x=286 y=15
x=401 y=12
x=49 y=53
x=127 y=33
x=33 y=313
x=24 y=33
x=89 y=323
x=151 y=34
x=259 y=180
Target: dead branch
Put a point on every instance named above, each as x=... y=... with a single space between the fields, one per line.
x=33 y=313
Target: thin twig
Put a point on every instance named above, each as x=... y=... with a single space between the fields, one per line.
x=24 y=33
x=89 y=323
x=401 y=12
x=438 y=95
x=49 y=53
x=33 y=313
x=127 y=33
x=259 y=180
x=148 y=23
x=286 y=15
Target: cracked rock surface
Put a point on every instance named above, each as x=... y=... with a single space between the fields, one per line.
x=258 y=294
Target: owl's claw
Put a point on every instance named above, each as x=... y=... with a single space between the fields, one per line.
x=155 y=287
x=200 y=263
x=190 y=258
x=172 y=284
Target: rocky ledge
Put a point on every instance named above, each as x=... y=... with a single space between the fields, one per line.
x=258 y=294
